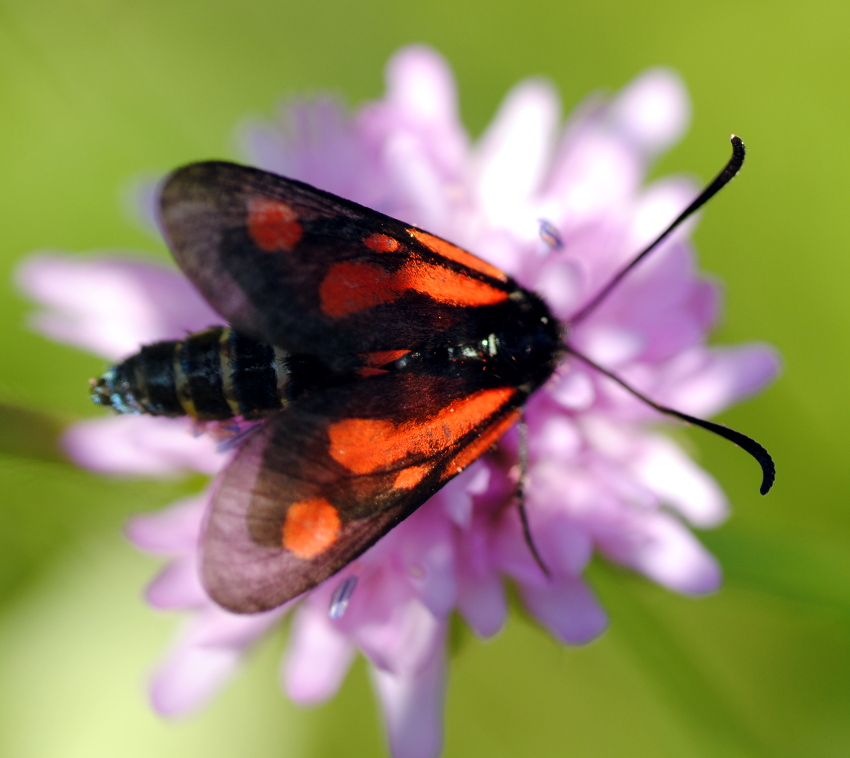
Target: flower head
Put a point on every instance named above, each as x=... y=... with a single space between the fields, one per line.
x=561 y=210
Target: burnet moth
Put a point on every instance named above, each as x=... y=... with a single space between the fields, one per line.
x=381 y=359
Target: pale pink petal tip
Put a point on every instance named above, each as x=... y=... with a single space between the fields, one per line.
x=567 y=608
x=169 y=531
x=111 y=305
x=190 y=678
x=484 y=605
x=514 y=153
x=709 y=381
x=318 y=657
x=429 y=560
x=412 y=703
x=679 y=482
x=654 y=109
x=141 y=446
x=421 y=84
x=665 y=551
x=679 y=561
x=177 y=587
x=398 y=633
x=141 y=202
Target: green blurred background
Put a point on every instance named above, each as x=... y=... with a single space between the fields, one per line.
x=95 y=93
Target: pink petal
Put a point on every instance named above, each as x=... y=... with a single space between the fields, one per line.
x=573 y=389
x=425 y=546
x=140 y=445
x=318 y=657
x=554 y=435
x=177 y=586
x=679 y=482
x=707 y=381
x=190 y=678
x=171 y=530
x=316 y=143
x=111 y=305
x=513 y=154
x=653 y=110
x=559 y=284
x=217 y=627
x=482 y=603
x=592 y=178
x=653 y=212
x=206 y=656
x=417 y=178
x=393 y=628
x=566 y=607
x=412 y=702
x=658 y=546
x=456 y=498
x=421 y=85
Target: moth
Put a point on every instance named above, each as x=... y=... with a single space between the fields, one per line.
x=382 y=361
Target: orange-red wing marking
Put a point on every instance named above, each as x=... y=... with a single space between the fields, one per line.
x=310 y=527
x=312 y=273
x=382 y=357
x=332 y=473
x=381 y=243
x=365 y=445
x=479 y=446
x=445 y=285
x=373 y=362
x=273 y=225
x=457 y=254
x=353 y=286
x=410 y=477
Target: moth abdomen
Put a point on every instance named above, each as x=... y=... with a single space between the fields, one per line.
x=212 y=375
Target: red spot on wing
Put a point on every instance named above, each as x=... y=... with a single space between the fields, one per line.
x=365 y=446
x=273 y=225
x=372 y=362
x=479 y=446
x=408 y=478
x=352 y=286
x=457 y=254
x=367 y=371
x=310 y=528
x=382 y=357
x=445 y=285
x=381 y=243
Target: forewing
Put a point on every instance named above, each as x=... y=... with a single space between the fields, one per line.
x=314 y=273
x=335 y=471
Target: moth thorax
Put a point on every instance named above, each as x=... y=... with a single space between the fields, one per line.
x=211 y=375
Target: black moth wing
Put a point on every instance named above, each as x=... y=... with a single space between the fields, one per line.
x=428 y=351
x=333 y=472
x=313 y=273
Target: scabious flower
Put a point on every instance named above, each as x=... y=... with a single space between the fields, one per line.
x=561 y=210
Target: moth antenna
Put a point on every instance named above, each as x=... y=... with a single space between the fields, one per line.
x=761 y=455
x=768 y=468
x=522 y=427
x=720 y=181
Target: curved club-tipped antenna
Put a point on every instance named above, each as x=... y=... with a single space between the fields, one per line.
x=750 y=445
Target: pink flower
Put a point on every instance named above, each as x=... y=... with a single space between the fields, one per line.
x=599 y=477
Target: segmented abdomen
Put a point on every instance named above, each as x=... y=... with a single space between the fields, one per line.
x=212 y=375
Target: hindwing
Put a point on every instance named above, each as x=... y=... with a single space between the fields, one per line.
x=335 y=471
